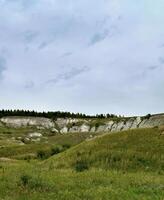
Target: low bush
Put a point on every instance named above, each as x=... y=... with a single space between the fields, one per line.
x=24 y=180
x=81 y=166
x=46 y=153
x=66 y=146
x=43 y=154
x=34 y=183
x=56 y=150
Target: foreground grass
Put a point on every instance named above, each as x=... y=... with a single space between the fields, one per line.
x=123 y=166
x=22 y=181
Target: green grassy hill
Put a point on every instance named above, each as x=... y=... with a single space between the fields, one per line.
x=120 y=166
x=140 y=149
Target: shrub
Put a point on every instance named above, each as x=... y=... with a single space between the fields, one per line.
x=42 y=154
x=147 y=116
x=25 y=180
x=66 y=146
x=81 y=166
x=59 y=149
x=56 y=150
x=34 y=183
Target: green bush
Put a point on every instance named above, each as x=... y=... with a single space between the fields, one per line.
x=46 y=153
x=147 y=116
x=66 y=146
x=42 y=154
x=81 y=166
x=34 y=183
x=56 y=150
x=24 y=179
x=59 y=149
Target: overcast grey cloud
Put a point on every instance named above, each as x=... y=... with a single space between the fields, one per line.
x=69 y=75
x=65 y=55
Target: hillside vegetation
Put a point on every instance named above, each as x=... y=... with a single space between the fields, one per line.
x=128 y=165
x=139 y=149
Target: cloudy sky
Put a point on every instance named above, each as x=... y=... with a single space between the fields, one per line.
x=96 y=56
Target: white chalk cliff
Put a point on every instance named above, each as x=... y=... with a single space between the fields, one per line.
x=83 y=125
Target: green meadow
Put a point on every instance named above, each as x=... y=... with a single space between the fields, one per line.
x=128 y=165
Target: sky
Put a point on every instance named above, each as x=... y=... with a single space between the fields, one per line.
x=96 y=56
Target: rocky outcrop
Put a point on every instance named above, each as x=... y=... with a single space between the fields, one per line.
x=61 y=123
x=157 y=120
x=64 y=130
x=17 y=122
x=34 y=135
x=82 y=125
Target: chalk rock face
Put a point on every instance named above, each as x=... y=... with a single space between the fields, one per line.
x=128 y=124
x=27 y=121
x=108 y=126
x=101 y=128
x=84 y=128
x=136 y=122
x=68 y=125
x=157 y=120
x=93 y=129
x=114 y=127
x=64 y=130
x=61 y=122
x=120 y=126
x=74 y=129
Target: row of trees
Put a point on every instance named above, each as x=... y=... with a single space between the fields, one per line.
x=52 y=115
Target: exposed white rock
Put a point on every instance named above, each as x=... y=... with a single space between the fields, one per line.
x=64 y=130
x=157 y=120
x=84 y=128
x=80 y=125
x=114 y=127
x=74 y=129
x=101 y=128
x=136 y=122
x=143 y=123
x=61 y=122
x=27 y=121
x=128 y=124
x=54 y=130
x=108 y=126
x=120 y=126
x=93 y=129
x=34 y=135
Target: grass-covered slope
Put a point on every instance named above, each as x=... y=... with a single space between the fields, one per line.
x=140 y=149
x=120 y=166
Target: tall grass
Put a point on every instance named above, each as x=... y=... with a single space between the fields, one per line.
x=130 y=150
